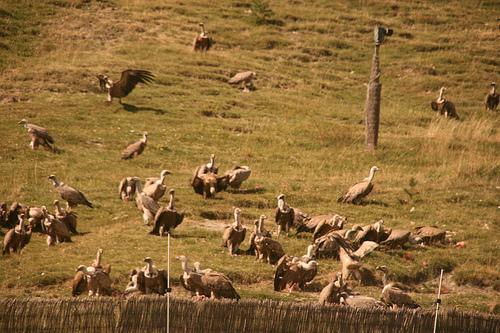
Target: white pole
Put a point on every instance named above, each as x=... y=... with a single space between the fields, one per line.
x=168 y=282
x=438 y=301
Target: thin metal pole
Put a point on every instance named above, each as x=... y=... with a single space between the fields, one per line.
x=168 y=282
x=438 y=301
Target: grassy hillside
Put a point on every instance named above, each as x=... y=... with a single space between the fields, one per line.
x=301 y=131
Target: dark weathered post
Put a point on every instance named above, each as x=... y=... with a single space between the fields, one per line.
x=374 y=89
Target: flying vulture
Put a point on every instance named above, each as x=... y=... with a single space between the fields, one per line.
x=129 y=79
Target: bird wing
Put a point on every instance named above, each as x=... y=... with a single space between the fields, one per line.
x=281 y=267
x=150 y=204
x=131 y=77
x=79 y=284
x=121 y=187
x=240 y=77
x=40 y=132
x=355 y=191
x=132 y=148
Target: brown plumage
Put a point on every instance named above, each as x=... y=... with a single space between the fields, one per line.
x=39 y=136
x=357 y=192
x=57 y=231
x=397 y=238
x=36 y=217
x=145 y=204
x=128 y=80
x=167 y=218
x=16 y=238
x=234 y=234
x=267 y=248
x=208 y=184
x=136 y=148
x=68 y=218
x=292 y=272
x=210 y=284
x=331 y=293
x=95 y=278
x=323 y=224
x=127 y=189
x=68 y=193
x=443 y=106
x=492 y=99
x=148 y=280
x=245 y=79
x=156 y=189
x=3 y=214
x=258 y=230
x=393 y=296
x=361 y=302
x=13 y=213
x=430 y=234
x=202 y=42
x=284 y=215
x=237 y=175
x=328 y=245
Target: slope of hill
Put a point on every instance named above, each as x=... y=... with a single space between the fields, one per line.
x=301 y=131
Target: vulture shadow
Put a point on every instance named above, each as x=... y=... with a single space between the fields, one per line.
x=132 y=108
x=81 y=233
x=313 y=287
x=256 y=190
x=374 y=202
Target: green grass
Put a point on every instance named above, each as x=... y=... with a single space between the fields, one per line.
x=301 y=131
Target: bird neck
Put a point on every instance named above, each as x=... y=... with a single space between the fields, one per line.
x=98 y=259
x=310 y=251
x=185 y=267
x=21 y=225
x=149 y=267
x=384 y=279
x=171 y=202
x=441 y=93
x=57 y=208
x=56 y=182
x=372 y=174
x=493 y=90
x=281 y=204
x=144 y=138
x=260 y=225
x=237 y=220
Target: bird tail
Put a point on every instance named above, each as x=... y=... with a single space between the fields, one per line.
x=341 y=199
x=88 y=203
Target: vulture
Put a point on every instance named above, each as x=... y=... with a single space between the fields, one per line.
x=127 y=189
x=443 y=106
x=68 y=193
x=210 y=284
x=325 y=224
x=284 y=216
x=237 y=176
x=245 y=79
x=167 y=218
x=83 y=275
x=57 y=231
x=329 y=245
x=12 y=218
x=156 y=189
x=209 y=167
x=300 y=219
x=16 y=238
x=36 y=217
x=361 y=302
x=393 y=296
x=430 y=234
x=39 y=136
x=208 y=184
x=357 y=192
x=135 y=149
x=332 y=292
x=234 y=234
x=145 y=204
x=3 y=214
x=492 y=99
x=365 y=248
x=292 y=272
x=350 y=266
x=258 y=230
x=267 y=248
x=68 y=218
x=129 y=79
x=202 y=42
x=148 y=280
x=397 y=238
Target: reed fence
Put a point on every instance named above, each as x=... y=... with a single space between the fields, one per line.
x=149 y=314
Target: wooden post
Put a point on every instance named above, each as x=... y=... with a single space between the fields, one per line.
x=372 y=105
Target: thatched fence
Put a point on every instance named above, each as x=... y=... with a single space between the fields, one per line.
x=149 y=314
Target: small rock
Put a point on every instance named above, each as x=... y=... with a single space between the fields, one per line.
x=460 y=245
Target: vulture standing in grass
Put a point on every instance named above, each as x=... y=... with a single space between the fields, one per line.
x=16 y=238
x=167 y=218
x=397 y=238
x=492 y=99
x=210 y=284
x=258 y=230
x=36 y=217
x=350 y=266
x=135 y=149
x=57 y=231
x=84 y=274
x=202 y=42
x=145 y=204
x=208 y=184
x=157 y=188
x=357 y=192
x=234 y=234
x=443 y=106
x=267 y=248
x=294 y=272
x=284 y=215
x=393 y=296
x=39 y=136
x=430 y=234
x=128 y=80
x=148 y=280
x=245 y=79
x=238 y=175
x=68 y=218
x=127 y=189
x=68 y=193
x=331 y=293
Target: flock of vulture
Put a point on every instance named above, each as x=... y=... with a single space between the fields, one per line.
x=329 y=237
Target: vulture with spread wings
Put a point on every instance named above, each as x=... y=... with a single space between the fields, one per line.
x=129 y=79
